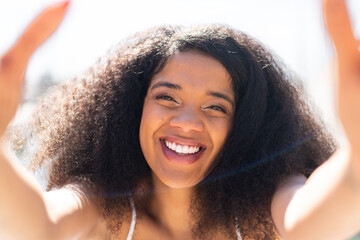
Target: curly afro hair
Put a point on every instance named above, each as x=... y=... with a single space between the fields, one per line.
x=87 y=130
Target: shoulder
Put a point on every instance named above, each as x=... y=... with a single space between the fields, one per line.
x=282 y=197
x=73 y=211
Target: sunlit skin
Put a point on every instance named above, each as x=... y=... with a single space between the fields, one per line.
x=189 y=102
x=348 y=70
x=184 y=104
x=13 y=63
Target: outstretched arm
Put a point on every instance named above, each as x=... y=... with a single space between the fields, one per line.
x=25 y=211
x=327 y=205
x=13 y=63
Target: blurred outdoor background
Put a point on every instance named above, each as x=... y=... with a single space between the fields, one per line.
x=293 y=29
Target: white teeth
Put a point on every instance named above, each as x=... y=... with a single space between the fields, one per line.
x=178 y=149
x=181 y=148
x=185 y=149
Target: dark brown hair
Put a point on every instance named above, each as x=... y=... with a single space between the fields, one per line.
x=87 y=130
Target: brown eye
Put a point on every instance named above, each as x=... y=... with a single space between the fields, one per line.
x=166 y=98
x=218 y=108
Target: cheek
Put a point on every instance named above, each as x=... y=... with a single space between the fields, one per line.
x=151 y=120
x=220 y=133
x=151 y=116
x=145 y=124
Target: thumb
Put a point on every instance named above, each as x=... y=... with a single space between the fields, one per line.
x=339 y=27
x=40 y=29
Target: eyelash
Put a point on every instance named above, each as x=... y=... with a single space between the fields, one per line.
x=166 y=98
x=171 y=99
x=218 y=108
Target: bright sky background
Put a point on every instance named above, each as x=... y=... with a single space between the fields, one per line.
x=293 y=29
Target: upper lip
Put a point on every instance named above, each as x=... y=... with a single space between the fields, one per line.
x=184 y=141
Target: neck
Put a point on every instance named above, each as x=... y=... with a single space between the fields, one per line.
x=170 y=207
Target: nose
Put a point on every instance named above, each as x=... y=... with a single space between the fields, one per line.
x=188 y=120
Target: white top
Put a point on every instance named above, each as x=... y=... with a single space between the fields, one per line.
x=133 y=220
x=133 y=223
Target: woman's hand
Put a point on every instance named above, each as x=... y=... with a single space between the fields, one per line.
x=25 y=211
x=348 y=70
x=14 y=62
x=327 y=204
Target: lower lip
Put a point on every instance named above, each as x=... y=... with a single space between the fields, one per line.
x=181 y=159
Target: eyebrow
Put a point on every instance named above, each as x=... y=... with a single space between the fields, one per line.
x=166 y=84
x=178 y=87
x=223 y=96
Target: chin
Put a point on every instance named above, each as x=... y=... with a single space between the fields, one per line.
x=176 y=182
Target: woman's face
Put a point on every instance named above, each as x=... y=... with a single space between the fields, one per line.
x=187 y=115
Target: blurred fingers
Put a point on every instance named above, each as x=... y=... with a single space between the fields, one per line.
x=36 y=33
x=339 y=27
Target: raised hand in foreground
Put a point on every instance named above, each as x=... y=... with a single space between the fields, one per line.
x=348 y=70
x=13 y=63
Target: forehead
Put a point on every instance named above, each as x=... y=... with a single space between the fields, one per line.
x=195 y=69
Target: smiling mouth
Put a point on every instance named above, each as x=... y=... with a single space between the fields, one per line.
x=181 y=153
x=180 y=149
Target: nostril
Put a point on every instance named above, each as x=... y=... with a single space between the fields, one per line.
x=187 y=124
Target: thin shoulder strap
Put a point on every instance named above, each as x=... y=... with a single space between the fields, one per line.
x=133 y=220
x=133 y=223
x=237 y=229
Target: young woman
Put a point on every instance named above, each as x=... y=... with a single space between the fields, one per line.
x=182 y=133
